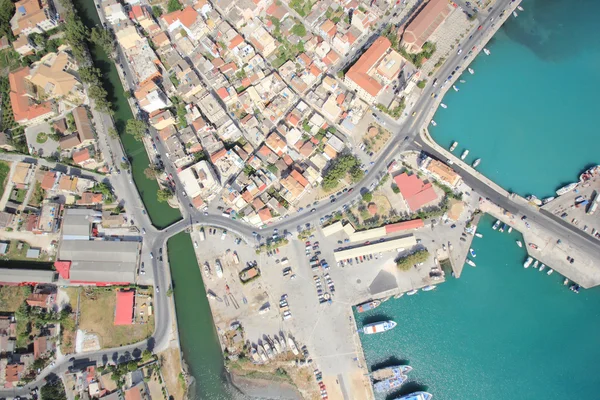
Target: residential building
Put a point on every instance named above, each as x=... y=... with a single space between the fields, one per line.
x=199 y=180
x=138 y=392
x=23 y=45
x=416 y=193
x=426 y=22
x=53 y=77
x=441 y=172
x=83 y=124
x=144 y=62
x=151 y=98
x=188 y=20
x=127 y=35
x=263 y=41
x=114 y=12
x=26 y=111
x=33 y=16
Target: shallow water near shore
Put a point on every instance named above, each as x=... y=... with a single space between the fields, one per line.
x=498 y=332
x=530 y=110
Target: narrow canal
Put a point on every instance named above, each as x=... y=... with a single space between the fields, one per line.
x=197 y=334
x=161 y=214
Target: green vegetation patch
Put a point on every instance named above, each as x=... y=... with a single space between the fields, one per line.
x=405 y=263
x=4 y=171
x=11 y=297
x=341 y=166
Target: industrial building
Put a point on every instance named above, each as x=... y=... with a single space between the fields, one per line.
x=389 y=245
x=374 y=233
x=17 y=276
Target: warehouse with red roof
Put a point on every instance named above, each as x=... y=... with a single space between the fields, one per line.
x=124 y=307
x=416 y=193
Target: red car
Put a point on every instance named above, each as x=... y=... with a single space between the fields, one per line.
x=479 y=27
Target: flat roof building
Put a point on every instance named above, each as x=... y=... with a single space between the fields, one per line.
x=389 y=245
x=15 y=276
x=124 y=307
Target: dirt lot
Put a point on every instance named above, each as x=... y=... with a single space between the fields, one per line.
x=11 y=297
x=375 y=143
x=97 y=310
x=171 y=368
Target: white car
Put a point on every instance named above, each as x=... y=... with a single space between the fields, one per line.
x=151 y=255
x=143 y=231
x=195 y=244
x=223 y=235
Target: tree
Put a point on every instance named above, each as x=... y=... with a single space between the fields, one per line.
x=404 y=263
x=136 y=128
x=164 y=195
x=53 y=390
x=124 y=165
x=103 y=38
x=112 y=132
x=38 y=39
x=299 y=30
x=157 y=11
x=422 y=84
x=146 y=355
x=273 y=168
x=7 y=10
x=368 y=196
x=151 y=172
x=132 y=366
x=90 y=74
x=173 y=5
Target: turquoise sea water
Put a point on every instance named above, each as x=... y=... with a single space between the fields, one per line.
x=499 y=332
x=530 y=111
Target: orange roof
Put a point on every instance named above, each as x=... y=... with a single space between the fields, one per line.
x=160 y=39
x=315 y=71
x=265 y=214
x=187 y=16
x=257 y=204
x=331 y=58
x=330 y=151
x=351 y=38
x=288 y=160
x=293 y=119
x=416 y=193
x=307 y=148
x=264 y=150
x=48 y=180
x=90 y=198
x=403 y=226
x=222 y=92
x=198 y=124
x=235 y=42
x=358 y=72
x=299 y=177
x=13 y=371
x=340 y=99
x=81 y=156
x=426 y=22
x=124 y=307
x=197 y=201
x=40 y=345
x=134 y=393
x=329 y=28
x=305 y=59
x=218 y=155
x=23 y=108
x=38 y=300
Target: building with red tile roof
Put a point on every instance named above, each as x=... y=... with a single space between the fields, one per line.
x=358 y=76
x=48 y=180
x=43 y=300
x=420 y=29
x=124 y=307
x=265 y=214
x=416 y=193
x=25 y=110
x=82 y=157
x=404 y=226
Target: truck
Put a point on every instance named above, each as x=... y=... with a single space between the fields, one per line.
x=594 y=205
x=202 y=235
x=236 y=259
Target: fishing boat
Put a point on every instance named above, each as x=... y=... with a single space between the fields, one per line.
x=510 y=228
x=292 y=345
x=575 y=288
x=443 y=105
x=429 y=288
x=486 y=51
x=520 y=8
x=218 y=269
x=416 y=396
x=368 y=306
x=455 y=88
x=472 y=252
x=397 y=296
x=519 y=243
x=535 y=264
x=390 y=372
x=471 y=70
x=464 y=154
x=276 y=345
x=527 y=262
x=379 y=327
x=533 y=246
x=470 y=262
x=547 y=200
x=515 y=14
x=283 y=342
x=389 y=384
x=502 y=228
x=542 y=267
x=206 y=269
x=433 y=123
x=262 y=353
x=268 y=350
x=496 y=224
x=479 y=235
x=550 y=271
x=476 y=162
x=411 y=292
x=566 y=282
x=453 y=146
x=566 y=189
x=462 y=81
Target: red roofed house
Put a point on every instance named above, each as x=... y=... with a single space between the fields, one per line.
x=404 y=226
x=82 y=158
x=25 y=110
x=124 y=307
x=13 y=374
x=223 y=94
x=42 y=346
x=235 y=42
x=265 y=214
x=416 y=193
x=187 y=19
x=420 y=29
x=48 y=180
x=358 y=77
x=43 y=300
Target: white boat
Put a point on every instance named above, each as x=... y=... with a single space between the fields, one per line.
x=550 y=271
x=429 y=288
x=218 y=269
x=411 y=292
x=462 y=81
x=476 y=162
x=479 y=235
x=496 y=224
x=416 y=396
x=535 y=264
x=470 y=262
x=455 y=88
x=566 y=282
x=464 y=154
x=276 y=344
x=519 y=243
x=566 y=189
x=520 y=8
x=292 y=345
x=547 y=200
x=433 y=123
x=527 y=262
x=443 y=105
x=509 y=229
x=453 y=146
x=515 y=14
x=379 y=327
x=502 y=228
x=542 y=267
x=486 y=51
x=471 y=70
x=397 y=296
x=472 y=252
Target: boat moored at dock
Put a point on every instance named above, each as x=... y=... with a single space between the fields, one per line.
x=389 y=384
x=527 y=262
x=433 y=123
x=368 y=306
x=542 y=267
x=486 y=51
x=390 y=372
x=455 y=88
x=472 y=252
x=496 y=224
x=520 y=8
x=412 y=292
x=443 y=105
x=550 y=271
x=471 y=70
x=515 y=14
x=479 y=235
x=535 y=264
x=429 y=288
x=379 y=327
x=476 y=163
x=566 y=189
x=470 y=262
x=519 y=243
x=416 y=396
x=464 y=154
x=453 y=146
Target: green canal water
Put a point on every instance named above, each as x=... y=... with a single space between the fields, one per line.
x=161 y=214
x=499 y=332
